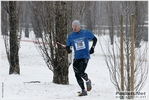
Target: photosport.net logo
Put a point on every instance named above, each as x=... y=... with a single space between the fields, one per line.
x=129 y=94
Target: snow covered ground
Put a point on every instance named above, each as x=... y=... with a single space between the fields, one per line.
x=33 y=68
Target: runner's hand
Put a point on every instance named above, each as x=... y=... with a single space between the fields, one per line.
x=91 y=50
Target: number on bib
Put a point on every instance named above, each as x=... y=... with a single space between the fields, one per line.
x=79 y=44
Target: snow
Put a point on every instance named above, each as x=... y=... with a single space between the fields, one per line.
x=33 y=68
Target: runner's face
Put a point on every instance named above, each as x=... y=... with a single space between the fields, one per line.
x=75 y=28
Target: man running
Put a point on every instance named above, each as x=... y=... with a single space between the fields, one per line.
x=79 y=40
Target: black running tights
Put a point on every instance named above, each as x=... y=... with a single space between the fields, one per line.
x=79 y=66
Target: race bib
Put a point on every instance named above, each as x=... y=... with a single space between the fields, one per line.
x=79 y=44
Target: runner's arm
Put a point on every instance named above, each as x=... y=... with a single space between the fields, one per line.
x=94 y=42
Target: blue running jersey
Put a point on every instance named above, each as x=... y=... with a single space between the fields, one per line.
x=80 y=42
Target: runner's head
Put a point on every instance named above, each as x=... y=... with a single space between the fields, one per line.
x=76 y=26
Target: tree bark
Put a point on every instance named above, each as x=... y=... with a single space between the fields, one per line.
x=61 y=61
x=14 y=58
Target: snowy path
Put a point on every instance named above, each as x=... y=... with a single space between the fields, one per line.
x=33 y=68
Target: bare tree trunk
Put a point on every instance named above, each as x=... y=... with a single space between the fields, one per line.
x=110 y=20
x=14 y=58
x=138 y=35
x=61 y=61
x=89 y=21
x=27 y=19
x=4 y=21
